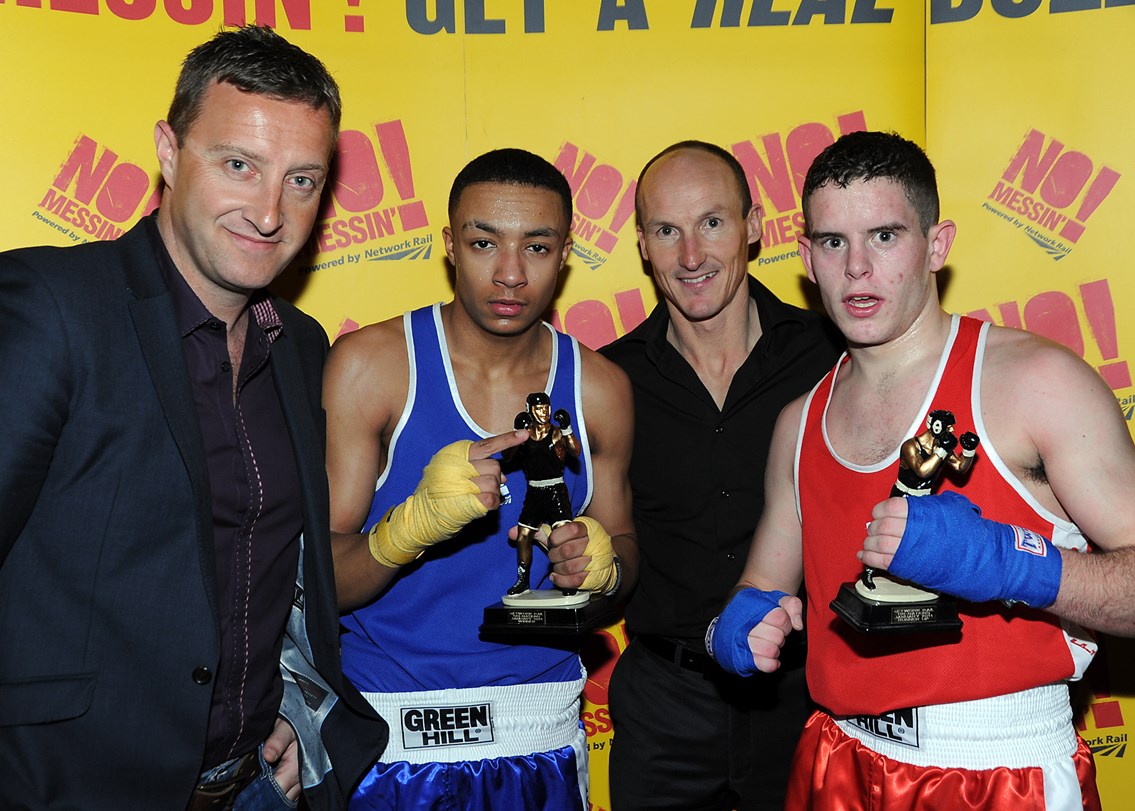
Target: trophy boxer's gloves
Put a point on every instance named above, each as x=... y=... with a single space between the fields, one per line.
x=946 y=442
x=563 y=419
x=522 y=422
x=602 y=570
x=947 y=546
x=444 y=502
x=970 y=441
x=727 y=638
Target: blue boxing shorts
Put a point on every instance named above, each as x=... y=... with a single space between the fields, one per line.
x=516 y=746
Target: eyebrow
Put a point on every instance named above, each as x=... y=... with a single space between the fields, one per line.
x=478 y=225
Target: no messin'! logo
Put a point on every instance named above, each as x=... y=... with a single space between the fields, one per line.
x=1049 y=193
x=369 y=207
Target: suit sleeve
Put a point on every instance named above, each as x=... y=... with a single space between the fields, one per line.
x=34 y=394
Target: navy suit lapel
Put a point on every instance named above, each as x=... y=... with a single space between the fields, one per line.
x=151 y=308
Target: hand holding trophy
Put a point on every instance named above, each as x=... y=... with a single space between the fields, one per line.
x=547 y=503
x=880 y=602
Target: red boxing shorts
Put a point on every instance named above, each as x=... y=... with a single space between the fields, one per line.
x=1018 y=751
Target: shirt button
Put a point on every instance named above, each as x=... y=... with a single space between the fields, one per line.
x=730 y=556
x=725 y=494
x=226 y=366
x=719 y=429
x=202 y=675
x=214 y=323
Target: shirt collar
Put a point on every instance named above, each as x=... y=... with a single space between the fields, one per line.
x=189 y=312
x=772 y=312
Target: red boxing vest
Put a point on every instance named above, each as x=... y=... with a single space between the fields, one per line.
x=1000 y=650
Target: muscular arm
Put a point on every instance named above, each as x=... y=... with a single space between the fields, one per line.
x=1088 y=458
x=607 y=401
x=775 y=564
x=776 y=559
x=361 y=406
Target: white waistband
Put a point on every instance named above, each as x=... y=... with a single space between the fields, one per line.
x=545 y=482
x=477 y=723
x=1018 y=730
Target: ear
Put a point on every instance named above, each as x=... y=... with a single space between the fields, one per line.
x=753 y=221
x=641 y=243
x=940 y=238
x=566 y=252
x=165 y=144
x=447 y=238
x=805 y=246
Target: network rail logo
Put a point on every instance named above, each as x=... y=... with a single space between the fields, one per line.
x=1049 y=193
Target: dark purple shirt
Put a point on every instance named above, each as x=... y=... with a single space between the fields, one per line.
x=257 y=515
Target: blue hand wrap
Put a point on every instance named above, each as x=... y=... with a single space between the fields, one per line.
x=727 y=638
x=947 y=546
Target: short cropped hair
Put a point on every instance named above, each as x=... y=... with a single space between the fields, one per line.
x=870 y=155
x=515 y=167
x=254 y=59
x=726 y=157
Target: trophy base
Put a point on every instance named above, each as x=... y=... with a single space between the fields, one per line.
x=895 y=609
x=547 y=615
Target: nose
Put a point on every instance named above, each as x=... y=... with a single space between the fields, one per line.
x=691 y=254
x=509 y=271
x=858 y=261
x=264 y=210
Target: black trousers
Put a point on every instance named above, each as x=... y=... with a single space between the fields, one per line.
x=693 y=741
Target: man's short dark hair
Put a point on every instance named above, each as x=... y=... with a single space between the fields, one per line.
x=515 y=167
x=724 y=155
x=537 y=398
x=254 y=59
x=870 y=155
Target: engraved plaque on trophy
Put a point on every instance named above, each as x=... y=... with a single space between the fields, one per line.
x=880 y=602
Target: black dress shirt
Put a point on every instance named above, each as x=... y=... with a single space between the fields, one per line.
x=697 y=471
x=257 y=515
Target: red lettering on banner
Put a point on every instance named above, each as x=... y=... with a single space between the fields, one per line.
x=1053 y=314
x=591 y=322
x=1058 y=178
x=114 y=189
x=776 y=179
x=358 y=189
x=598 y=189
x=191 y=12
x=298 y=13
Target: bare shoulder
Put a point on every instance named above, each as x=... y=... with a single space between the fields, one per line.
x=369 y=367
x=605 y=384
x=607 y=401
x=1025 y=369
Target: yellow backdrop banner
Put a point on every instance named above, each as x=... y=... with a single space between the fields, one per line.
x=1015 y=101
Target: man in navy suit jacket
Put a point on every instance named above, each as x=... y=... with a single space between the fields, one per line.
x=168 y=623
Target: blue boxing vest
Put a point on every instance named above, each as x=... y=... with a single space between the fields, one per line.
x=422 y=632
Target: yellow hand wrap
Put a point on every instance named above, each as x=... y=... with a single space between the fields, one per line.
x=444 y=502
x=601 y=572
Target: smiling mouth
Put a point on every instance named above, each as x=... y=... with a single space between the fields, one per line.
x=705 y=277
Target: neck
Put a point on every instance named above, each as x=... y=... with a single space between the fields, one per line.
x=918 y=347
x=721 y=342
